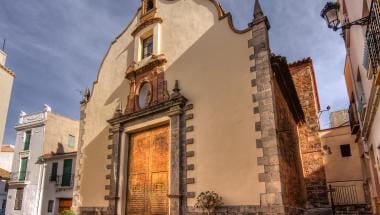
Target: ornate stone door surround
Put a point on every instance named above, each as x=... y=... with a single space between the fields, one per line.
x=122 y=125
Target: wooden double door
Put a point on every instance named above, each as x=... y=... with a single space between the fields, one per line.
x=148 y=169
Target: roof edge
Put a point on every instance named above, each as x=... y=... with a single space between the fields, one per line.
x=7 y=70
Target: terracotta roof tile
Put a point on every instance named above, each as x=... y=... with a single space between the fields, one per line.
x=4 y=173
x=7 y=148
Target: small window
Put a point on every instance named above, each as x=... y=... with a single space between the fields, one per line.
x=149 y=5
x=3 y=204
x=147 y=49
x=18 y=200
x=144 y=95
x=50 y=206
x=67 y=176
x=54 y=168
x=345 y=150
x=71 y=141
x=27 y=136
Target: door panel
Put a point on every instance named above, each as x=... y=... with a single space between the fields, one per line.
x=64 y=204
x=66 y=175
x=23 y=168
x=148 y=172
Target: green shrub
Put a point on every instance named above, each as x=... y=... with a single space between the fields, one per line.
x=66 y=212
x=208 y=201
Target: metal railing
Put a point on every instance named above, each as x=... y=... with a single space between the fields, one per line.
x=353 y=116
x=348 y=198
x=373 y=34
x=65 y=180
x=345 y=195
x=19 y=176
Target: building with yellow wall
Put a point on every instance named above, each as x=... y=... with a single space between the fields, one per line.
x=345 y=172
x=186 y=103
x=6 y=82
x=362 y=76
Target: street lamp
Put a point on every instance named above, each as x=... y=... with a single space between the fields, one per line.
x=331 y=14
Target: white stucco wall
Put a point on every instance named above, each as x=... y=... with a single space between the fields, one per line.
x=30 y=190
x=6 y=159
x=374 y=138
x=50 y=191
x=3 y=195
x=356 y=43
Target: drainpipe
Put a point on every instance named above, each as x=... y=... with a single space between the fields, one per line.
x=40 y=189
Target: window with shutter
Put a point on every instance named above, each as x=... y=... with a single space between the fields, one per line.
x=50 y=206
x=71 y=141
x=66 y=175
x=23 y=167
x=28 y=135
x=54 y=168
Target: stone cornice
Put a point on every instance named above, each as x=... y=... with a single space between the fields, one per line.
x=179 y=101
x=29 y=125
x=145 y=24
x=7 y=70
x=135 y=68
x=56 y=156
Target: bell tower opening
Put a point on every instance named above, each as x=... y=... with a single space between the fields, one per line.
x=149 y=5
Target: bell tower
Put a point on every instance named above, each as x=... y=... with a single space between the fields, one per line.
x=148 y=9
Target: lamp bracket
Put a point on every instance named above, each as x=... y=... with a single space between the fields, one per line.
x=361 y=21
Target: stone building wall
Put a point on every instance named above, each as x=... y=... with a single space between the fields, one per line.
x=310 y=143
x=339 y=118
x=289 y=157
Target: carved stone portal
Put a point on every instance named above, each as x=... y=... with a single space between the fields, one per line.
x=148 y=172
x=147 y=84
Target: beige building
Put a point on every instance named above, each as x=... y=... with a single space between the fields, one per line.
x=339 y=118
x=185 y=103
x=361 y=21
x=6 y=83
x=345 y=172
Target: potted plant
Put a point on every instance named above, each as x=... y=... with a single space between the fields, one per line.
x=208 y=201
x=66 y=212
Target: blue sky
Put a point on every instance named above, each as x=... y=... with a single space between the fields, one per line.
x=55 y=47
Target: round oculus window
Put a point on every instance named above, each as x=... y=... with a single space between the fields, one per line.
x=144 y=95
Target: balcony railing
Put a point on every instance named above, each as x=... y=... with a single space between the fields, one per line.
x=373 y=34
x=19 y=176
x=354 y=121
x=65 y=180
x=347 y=194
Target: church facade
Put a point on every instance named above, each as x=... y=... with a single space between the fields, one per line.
x=186 y=103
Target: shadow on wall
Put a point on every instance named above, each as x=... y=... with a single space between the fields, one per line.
x=121 y=92
x=60 y=149
x=314 y=185
x=95 y=181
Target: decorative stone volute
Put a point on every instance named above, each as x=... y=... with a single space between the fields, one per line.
x=147 y=73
